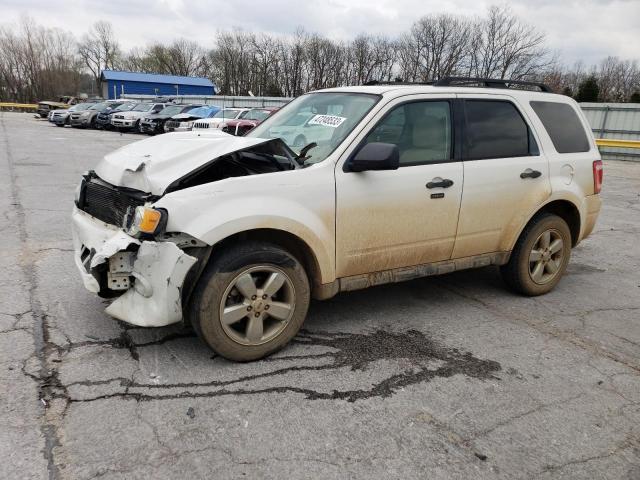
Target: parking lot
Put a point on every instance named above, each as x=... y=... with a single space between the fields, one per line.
x=440 y=378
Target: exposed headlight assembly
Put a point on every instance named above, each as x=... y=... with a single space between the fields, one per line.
x=145 y=220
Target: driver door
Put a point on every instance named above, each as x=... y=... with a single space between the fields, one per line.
x=404 y=217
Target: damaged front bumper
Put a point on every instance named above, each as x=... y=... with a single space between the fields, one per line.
x=151 y=274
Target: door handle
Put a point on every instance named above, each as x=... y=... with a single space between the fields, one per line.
x=440 y=183
x=528 y=173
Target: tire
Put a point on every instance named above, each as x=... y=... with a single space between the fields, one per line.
x=538 y=261
x=224 y=286
x=137 y=128
x=59 y=124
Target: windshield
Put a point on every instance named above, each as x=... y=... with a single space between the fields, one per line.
x=83 y=106
x=100 y=107
x=258 y=115
x=201 y=112
x=226 y=114
x=172 y=110
x=125 y=107
x=142 y=107
x=323 y=118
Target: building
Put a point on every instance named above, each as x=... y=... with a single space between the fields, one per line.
x=114 y=84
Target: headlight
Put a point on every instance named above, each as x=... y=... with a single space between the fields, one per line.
x=145 y=220
x=222 y=125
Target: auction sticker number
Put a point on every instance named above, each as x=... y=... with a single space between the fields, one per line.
x=332 y=121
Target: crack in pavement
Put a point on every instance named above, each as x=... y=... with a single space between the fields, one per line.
x=46 y=378
x=348 y=350
x=544 y=328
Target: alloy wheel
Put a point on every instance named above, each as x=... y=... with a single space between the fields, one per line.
x=257 y=305
x=546 y=256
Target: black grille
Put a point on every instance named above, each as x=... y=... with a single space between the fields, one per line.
x=107 y=203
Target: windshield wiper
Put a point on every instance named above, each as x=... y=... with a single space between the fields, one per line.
x=302 y=156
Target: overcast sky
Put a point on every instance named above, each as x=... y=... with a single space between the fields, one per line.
x=586 y=30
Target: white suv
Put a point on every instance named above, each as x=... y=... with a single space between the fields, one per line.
x=131 y=119
x=403 y=181
x=220 y=118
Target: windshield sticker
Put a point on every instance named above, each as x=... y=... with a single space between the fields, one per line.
x=332 y=121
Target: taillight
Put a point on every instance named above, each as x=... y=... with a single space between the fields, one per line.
x=598 y=173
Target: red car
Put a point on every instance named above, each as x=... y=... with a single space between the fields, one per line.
x=253 y=117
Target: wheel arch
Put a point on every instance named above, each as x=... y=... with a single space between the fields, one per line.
x=293 y=244
x=565 y=209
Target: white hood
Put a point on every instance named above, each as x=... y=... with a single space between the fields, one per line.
x=153 y=164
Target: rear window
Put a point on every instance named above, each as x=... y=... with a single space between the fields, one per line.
x=563 y=126
x=495 y=129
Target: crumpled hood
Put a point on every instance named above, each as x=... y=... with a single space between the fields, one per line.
x=151 y=165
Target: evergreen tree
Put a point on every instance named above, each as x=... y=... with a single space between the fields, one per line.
x=588 y=90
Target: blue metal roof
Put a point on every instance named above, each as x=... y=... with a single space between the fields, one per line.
x=155 y=78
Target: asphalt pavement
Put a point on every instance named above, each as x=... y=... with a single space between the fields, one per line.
x=449 y=377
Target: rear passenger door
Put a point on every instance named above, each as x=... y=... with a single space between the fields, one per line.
x=506 y=177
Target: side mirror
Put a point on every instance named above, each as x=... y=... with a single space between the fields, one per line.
x=375 y=156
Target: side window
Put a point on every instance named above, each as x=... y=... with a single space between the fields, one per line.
x=563 y=126
x=495 y=129
x=421 y=130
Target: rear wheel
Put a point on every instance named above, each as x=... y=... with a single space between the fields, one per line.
x=250 y=301
x=540 y=257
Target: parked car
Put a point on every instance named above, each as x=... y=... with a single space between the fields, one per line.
x=131 y=119
x=63 y=117
x=234 y=235
x=183 y=122
x=221 y=117
x=103 y=119
x=253 y=117
x=154 y=123
x=46 y=106
x=87 y=118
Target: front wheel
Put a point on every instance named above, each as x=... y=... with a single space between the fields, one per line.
x=250 y=301
x=540 y=257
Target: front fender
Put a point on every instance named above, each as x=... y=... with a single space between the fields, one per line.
x=212 y=215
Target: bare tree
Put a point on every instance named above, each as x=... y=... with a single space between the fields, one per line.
x=36 y=62
x=503 y=46
x=99 y=49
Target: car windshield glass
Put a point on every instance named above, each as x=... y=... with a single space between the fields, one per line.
x=83 y=106
x=325 y=118
x=226 y=114
x=200 y=112
x=142 y=107
x=100 y=107
x=258 y=115
x=125 y=107
x=172 y=110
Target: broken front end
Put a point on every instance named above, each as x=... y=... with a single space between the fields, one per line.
x=122 y=252
x=122 y=248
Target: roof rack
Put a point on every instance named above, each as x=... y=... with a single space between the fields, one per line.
x=393 y=82
x=488 y=83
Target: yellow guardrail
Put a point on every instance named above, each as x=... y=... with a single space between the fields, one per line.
x=612 y=142
x=18 y=105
